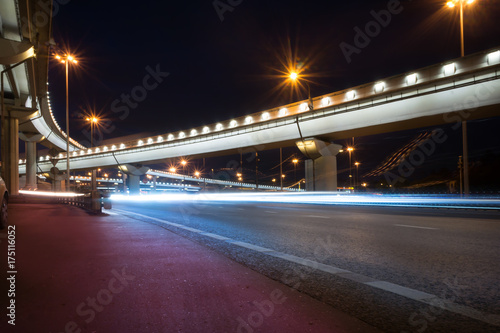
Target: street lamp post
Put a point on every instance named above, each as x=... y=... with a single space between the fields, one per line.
x=356 y=181
x=465 y=152
x=294 y=77
x=350 y=149
x=66 y=59
x=93 y=121
x=295 y=161
x=452 y=4
x=183 y=163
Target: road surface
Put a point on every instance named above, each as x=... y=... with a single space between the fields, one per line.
x=399 y=269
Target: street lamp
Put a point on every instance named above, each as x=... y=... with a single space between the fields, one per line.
x=295 y=161
x=357 y=174
x=350 y=150
x=461 y=3
x=452 y=4
x=183 y=165
x=294 y=77
x=66 y=59
x=93 y=122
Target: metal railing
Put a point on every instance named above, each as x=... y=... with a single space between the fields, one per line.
x=93 y=202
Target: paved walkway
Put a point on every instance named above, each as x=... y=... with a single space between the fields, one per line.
x=84 y=273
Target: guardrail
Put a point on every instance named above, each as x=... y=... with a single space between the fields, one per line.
x=93 y=201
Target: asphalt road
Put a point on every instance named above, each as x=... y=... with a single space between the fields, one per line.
x=392 y=261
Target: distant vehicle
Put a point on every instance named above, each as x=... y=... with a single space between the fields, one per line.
x=4 y=195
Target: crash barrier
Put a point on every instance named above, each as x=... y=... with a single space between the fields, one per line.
x=92 y=201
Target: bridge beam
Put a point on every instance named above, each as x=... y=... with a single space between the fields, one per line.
x=134 y=173
x=321 y=167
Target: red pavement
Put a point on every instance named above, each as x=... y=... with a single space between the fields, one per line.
x=82 y=273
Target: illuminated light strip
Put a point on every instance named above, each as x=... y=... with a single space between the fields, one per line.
x=52 y=194
x=406 y=292
x=494 y=58
x=449 y=69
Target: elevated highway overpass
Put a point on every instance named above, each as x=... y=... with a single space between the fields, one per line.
x=449 y=92
x=25 y=48
x=461 y=89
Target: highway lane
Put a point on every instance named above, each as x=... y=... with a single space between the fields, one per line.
x=436 y=251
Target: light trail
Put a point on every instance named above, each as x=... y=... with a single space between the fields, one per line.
x=51 y=194
x=323 y=198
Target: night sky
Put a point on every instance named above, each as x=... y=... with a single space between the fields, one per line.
x=228 y=62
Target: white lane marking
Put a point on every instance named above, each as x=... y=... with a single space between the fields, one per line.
x=400 y=290
x=209 y=234
x=415 y=226
x=318 y=216
x=249 y=246
x=270 y=212
x=410 y=293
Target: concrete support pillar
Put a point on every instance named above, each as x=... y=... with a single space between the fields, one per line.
x=134 y=184
x=134 y=173
x=155 y=179
x=58 y=182
x=57 y=179
x=10 y=157
x=96 y=199
x=124 y=182
x=321 y=167
x=30 y=140
x=30 y=149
